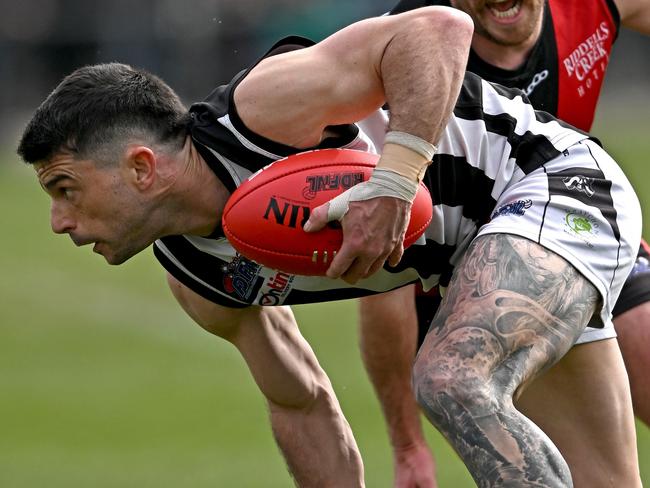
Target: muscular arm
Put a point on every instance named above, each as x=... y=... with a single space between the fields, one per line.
x=635 y=14
x=306 y=418
x=414 y=61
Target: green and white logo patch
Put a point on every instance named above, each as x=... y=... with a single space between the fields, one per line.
x=582 y=225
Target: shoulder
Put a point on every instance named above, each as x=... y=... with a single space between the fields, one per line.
x=406 y=5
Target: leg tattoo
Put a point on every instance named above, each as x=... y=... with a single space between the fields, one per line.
x=513 y=309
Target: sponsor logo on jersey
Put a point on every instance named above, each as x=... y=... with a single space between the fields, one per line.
x=513 y=208
x=580 y=183
x=239 y=276
x=537 y=79
x=286 y=213
x=330 y=181
x=275 y=288
x=588 y=61
x=582 y=225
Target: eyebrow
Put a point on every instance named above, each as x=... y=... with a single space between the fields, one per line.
x=53 y=181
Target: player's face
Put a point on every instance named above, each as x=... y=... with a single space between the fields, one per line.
x=504 y=22
x=95 y=205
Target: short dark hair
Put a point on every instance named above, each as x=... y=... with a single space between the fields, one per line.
x=99 y=105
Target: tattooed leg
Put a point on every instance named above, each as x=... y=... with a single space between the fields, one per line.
x=512 y=310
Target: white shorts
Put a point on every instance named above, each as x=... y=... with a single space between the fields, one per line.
x=581 y=206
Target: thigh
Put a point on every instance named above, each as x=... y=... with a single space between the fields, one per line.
x=632 y=321
x=581 y=207
x=512 y=309
x=633 y=329
x=583 y=404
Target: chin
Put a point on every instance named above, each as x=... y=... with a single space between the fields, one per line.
x=117 y=259
x=113 y=261
x=122 y=255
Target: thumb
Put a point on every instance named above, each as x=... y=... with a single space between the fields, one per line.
x=317 y=218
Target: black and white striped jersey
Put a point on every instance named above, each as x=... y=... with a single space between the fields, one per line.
x=493 y=140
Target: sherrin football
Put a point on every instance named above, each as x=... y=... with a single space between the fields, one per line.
x=263 y=217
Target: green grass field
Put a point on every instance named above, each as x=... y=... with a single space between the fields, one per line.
x=105 y=383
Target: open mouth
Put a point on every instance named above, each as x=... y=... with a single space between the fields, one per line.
x=504 y=9
x=79 y=241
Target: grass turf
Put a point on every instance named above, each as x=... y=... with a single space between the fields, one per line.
x=105 y=383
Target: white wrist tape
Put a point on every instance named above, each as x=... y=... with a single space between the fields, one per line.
x=414 y=143
x=382 y=183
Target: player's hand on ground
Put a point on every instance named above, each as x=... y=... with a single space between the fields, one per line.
x=373 y=233
x=414 y=467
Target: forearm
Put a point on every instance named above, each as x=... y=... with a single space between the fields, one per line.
x=306 y=418
x=388 y=342
x=388 y=339
x=422 y=71
x=281 y=361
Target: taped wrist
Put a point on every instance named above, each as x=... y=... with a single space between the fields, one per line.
x=382 y=183
x=406 y=154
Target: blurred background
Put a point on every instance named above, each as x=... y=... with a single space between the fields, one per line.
x=103 y=380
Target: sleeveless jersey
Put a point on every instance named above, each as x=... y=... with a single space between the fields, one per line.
x=494 y=139
x=564 y=72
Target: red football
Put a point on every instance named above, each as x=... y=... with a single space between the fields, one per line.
x=263 y=218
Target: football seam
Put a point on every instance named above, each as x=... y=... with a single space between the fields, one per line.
x=280 y=253
x=269 y=251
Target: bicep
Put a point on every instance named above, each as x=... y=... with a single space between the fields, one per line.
x=336 y=81
x=635 y=14
x=317 y=86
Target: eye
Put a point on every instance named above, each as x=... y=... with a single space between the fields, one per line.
x=66 y=193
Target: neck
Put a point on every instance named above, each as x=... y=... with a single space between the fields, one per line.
x=504 y=57
x=196 y=196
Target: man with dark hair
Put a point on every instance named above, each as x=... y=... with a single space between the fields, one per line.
x=557 y=52
x=521 y=286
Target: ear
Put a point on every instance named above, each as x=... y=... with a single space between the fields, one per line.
x=140 y=164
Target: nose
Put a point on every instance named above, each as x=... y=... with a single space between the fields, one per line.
x=60 y=219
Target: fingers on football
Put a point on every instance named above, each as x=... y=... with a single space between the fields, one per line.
x=351 y=267
x=317 y=218
x=396 y=256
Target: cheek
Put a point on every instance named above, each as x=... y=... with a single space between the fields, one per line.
x=118 y=206
x=130 y=220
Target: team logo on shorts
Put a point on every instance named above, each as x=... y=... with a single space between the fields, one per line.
x=513 y=208
x=579 y=183
x=240 y=277
x=582 y=225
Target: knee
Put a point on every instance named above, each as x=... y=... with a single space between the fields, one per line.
x=447 y=392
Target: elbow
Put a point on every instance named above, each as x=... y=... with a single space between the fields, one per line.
x=452 y=21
